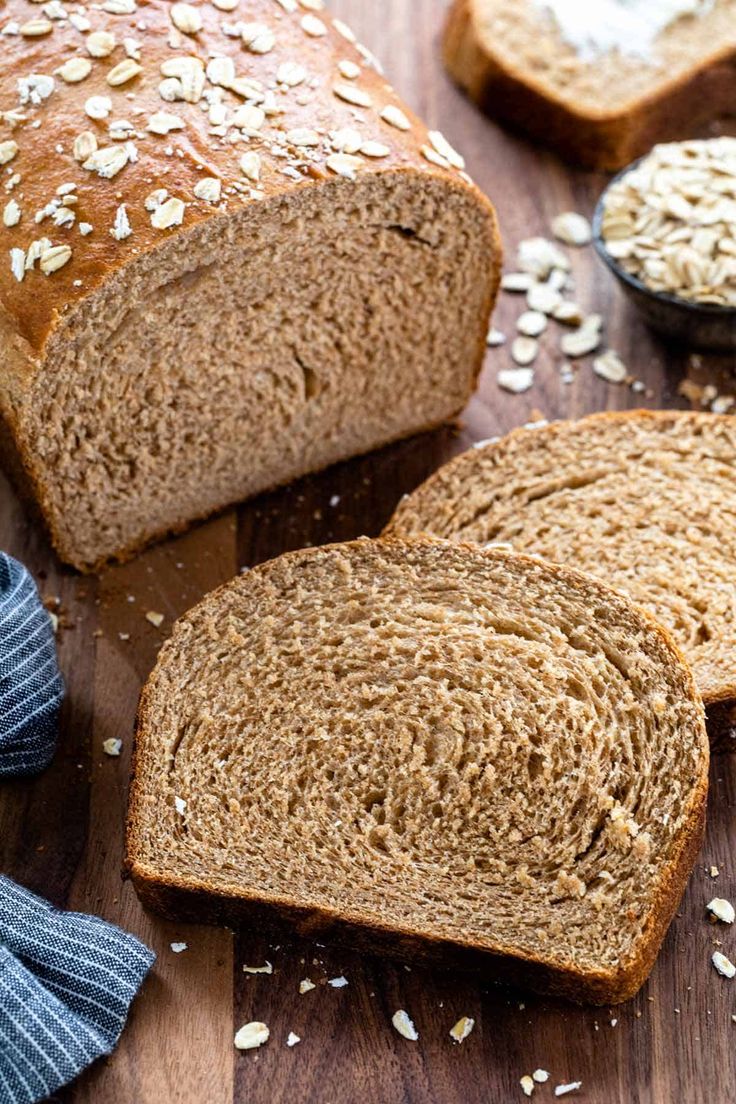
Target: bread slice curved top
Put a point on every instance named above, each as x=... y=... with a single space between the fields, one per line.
x=645 y=500
x=432 y=746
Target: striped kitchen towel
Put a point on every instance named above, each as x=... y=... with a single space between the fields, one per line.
x=66 y=984
x=66 y=980
x=31 y=688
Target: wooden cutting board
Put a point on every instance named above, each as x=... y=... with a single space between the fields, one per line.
x=62 y=833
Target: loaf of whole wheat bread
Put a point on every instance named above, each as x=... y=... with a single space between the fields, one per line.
x=645 y=500
x=230 y=256
x=430 y=748
x=600 y=80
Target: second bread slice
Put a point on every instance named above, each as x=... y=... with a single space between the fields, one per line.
x=429 y=748
x=645 y=500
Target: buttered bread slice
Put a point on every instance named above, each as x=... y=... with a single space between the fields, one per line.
x=426 y=747
x=645 y=500
x=601 y=81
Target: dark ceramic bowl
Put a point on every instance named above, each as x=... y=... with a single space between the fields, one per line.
x=696 y=325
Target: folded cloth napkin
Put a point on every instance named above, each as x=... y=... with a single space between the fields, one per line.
x=66 y=983
x=66 y=980
x=31 y=688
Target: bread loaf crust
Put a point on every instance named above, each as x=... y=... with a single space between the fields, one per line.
x=193 y=899
x=296 y=119
x=607 y=138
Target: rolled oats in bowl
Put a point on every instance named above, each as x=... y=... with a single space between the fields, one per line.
x=670 y=221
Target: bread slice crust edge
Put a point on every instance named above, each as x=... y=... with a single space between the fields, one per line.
x=193 y=900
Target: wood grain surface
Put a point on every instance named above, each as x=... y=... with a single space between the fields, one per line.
x=62 y=833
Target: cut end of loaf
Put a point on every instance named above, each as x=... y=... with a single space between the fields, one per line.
x=262 y=345
x=428 y=745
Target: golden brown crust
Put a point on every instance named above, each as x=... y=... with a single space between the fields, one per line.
x=194 y=900
x=176 y=161
x=311 y=84
x=606 y=139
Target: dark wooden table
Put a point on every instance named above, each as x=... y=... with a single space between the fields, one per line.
x=62 y=834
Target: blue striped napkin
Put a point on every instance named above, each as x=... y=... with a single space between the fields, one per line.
x=66 y=980
x=31 y=688
x=66 y=984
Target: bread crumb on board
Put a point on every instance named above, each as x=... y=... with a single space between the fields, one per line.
x=462 y=1028
x=251 y=1036
x=404 y=1025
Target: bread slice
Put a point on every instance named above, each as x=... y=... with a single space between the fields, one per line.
x=599 y=109
x=645 y=500
x=229 y=256
x=431 y=748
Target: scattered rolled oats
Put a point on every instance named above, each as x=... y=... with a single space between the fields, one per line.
x=540 y=1076
x=405 y=1026
x=186 y=18
x=112 y=747
x=515 y=380
x=517 y=281
x=572 y=228
x=723 y=965
x=531 y=323
x=610 y=367
x=100 y=44
x=108 y=161
x=293 y=1039
x=352 y=94
x=98 y=107
x=250 y=166
x=338 y=982
x=163 y=122
x=445 y=150
x=395 y=117
x=167 y=214
x=209 y=188
x=344 y=164
x=11 y=213
x=36 y=28
x=462 y=1029
x=527 y=1085
x=722 y=910
x=85 y=144
x=54 y=258
x=542 y=297
x=524 y=350
x=349 y=69
x=123 y=72
x=374 y=149
x=8 y=151
x=313 y=26
x=266 y=969
x=156 y=619
x=572 y=1086
x=251 y=1036
x=258 y=38
x=75 y=70
x=306 y=985
x=291 y=74
x=179 y=948
x=121 y=228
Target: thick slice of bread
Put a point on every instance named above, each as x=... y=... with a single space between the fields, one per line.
x=433 y=748
x=601 y=111
x=229 y=256
x=644 y=500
